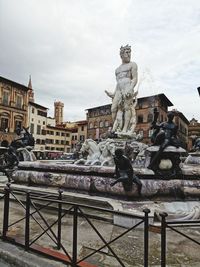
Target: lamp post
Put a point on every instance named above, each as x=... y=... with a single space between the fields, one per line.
x=198 y=89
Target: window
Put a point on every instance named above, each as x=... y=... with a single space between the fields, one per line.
x=38 y=129
x=150 y=117
x=42 y=113
x=43 y=122
x=33 y=110
x=141 y=132
x=58 y=133
x=75 y=137
x=43 y=132
x=91 y=125
x=32 y=128
x=82 y=128
x=106 y=124
x=4 y=124
x=101 y=124
x=18 y=101
x=5 y=98
x=67 y=134
x=57 y=142
x=150 y=133
x=82 y=138
x=140 y=118
x=18 y=124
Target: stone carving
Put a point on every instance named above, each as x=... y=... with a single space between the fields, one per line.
x=18 y=150
x=165 y=134
x=97 y=154
x=124 y=99
x=124 y=172
x=181 y=215
x=196 y=146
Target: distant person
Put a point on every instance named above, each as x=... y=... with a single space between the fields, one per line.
x=124 y=172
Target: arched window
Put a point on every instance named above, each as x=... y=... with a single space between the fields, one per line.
x=101 y=124
x=140 y=119
x=150 y=117
x=106 y=123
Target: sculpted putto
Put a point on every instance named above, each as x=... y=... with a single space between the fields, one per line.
x=124 y=99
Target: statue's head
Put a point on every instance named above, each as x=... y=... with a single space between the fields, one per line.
x=125 y=53
x=170 y=115
x=118 y=153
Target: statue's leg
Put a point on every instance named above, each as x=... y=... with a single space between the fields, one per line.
x=114 y=112
x=127 y=118
x=158 y=154
x=137 y=181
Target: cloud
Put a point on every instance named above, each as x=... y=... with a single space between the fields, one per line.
x=71 y=49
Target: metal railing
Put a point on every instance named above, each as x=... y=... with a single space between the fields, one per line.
x=173 y=225
x=34 y=203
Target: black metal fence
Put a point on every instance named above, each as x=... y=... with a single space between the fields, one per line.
x=33 y=205
x=174 y=226
x=54 y=229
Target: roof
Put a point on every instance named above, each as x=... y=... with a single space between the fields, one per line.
x=37 y=105
x=161 y=96
x=83 y=122
x=15 y=84
x=58 y=128
x=107 y=105
x=181 y=116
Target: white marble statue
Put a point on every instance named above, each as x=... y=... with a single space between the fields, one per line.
x=124 y=99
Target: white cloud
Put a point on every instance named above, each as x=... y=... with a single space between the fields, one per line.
x=71 y=48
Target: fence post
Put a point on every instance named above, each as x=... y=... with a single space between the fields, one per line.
x=27 y=221
x=59 y=219
x=75 y=225
x=146 y=236
x=163 y=238
x=6 y=210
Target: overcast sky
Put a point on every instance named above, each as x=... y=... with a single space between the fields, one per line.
x=71 y=49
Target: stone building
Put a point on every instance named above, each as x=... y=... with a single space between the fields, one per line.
x=58 y=138
x=58 y=112
x=144 y=113
x=193 y=132
x=100 y=119
x=14 y=98
x=78 y=132
x=182 y=122
x=37 y=118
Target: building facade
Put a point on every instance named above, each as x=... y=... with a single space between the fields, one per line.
x=37 y=118
x=14 y=98
x=183 y=124
x=100 y=118
x=58 y=138
x=58 y=112
x=193 y=132
x=99 y=121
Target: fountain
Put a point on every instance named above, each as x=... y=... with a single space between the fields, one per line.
x=159 y=166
